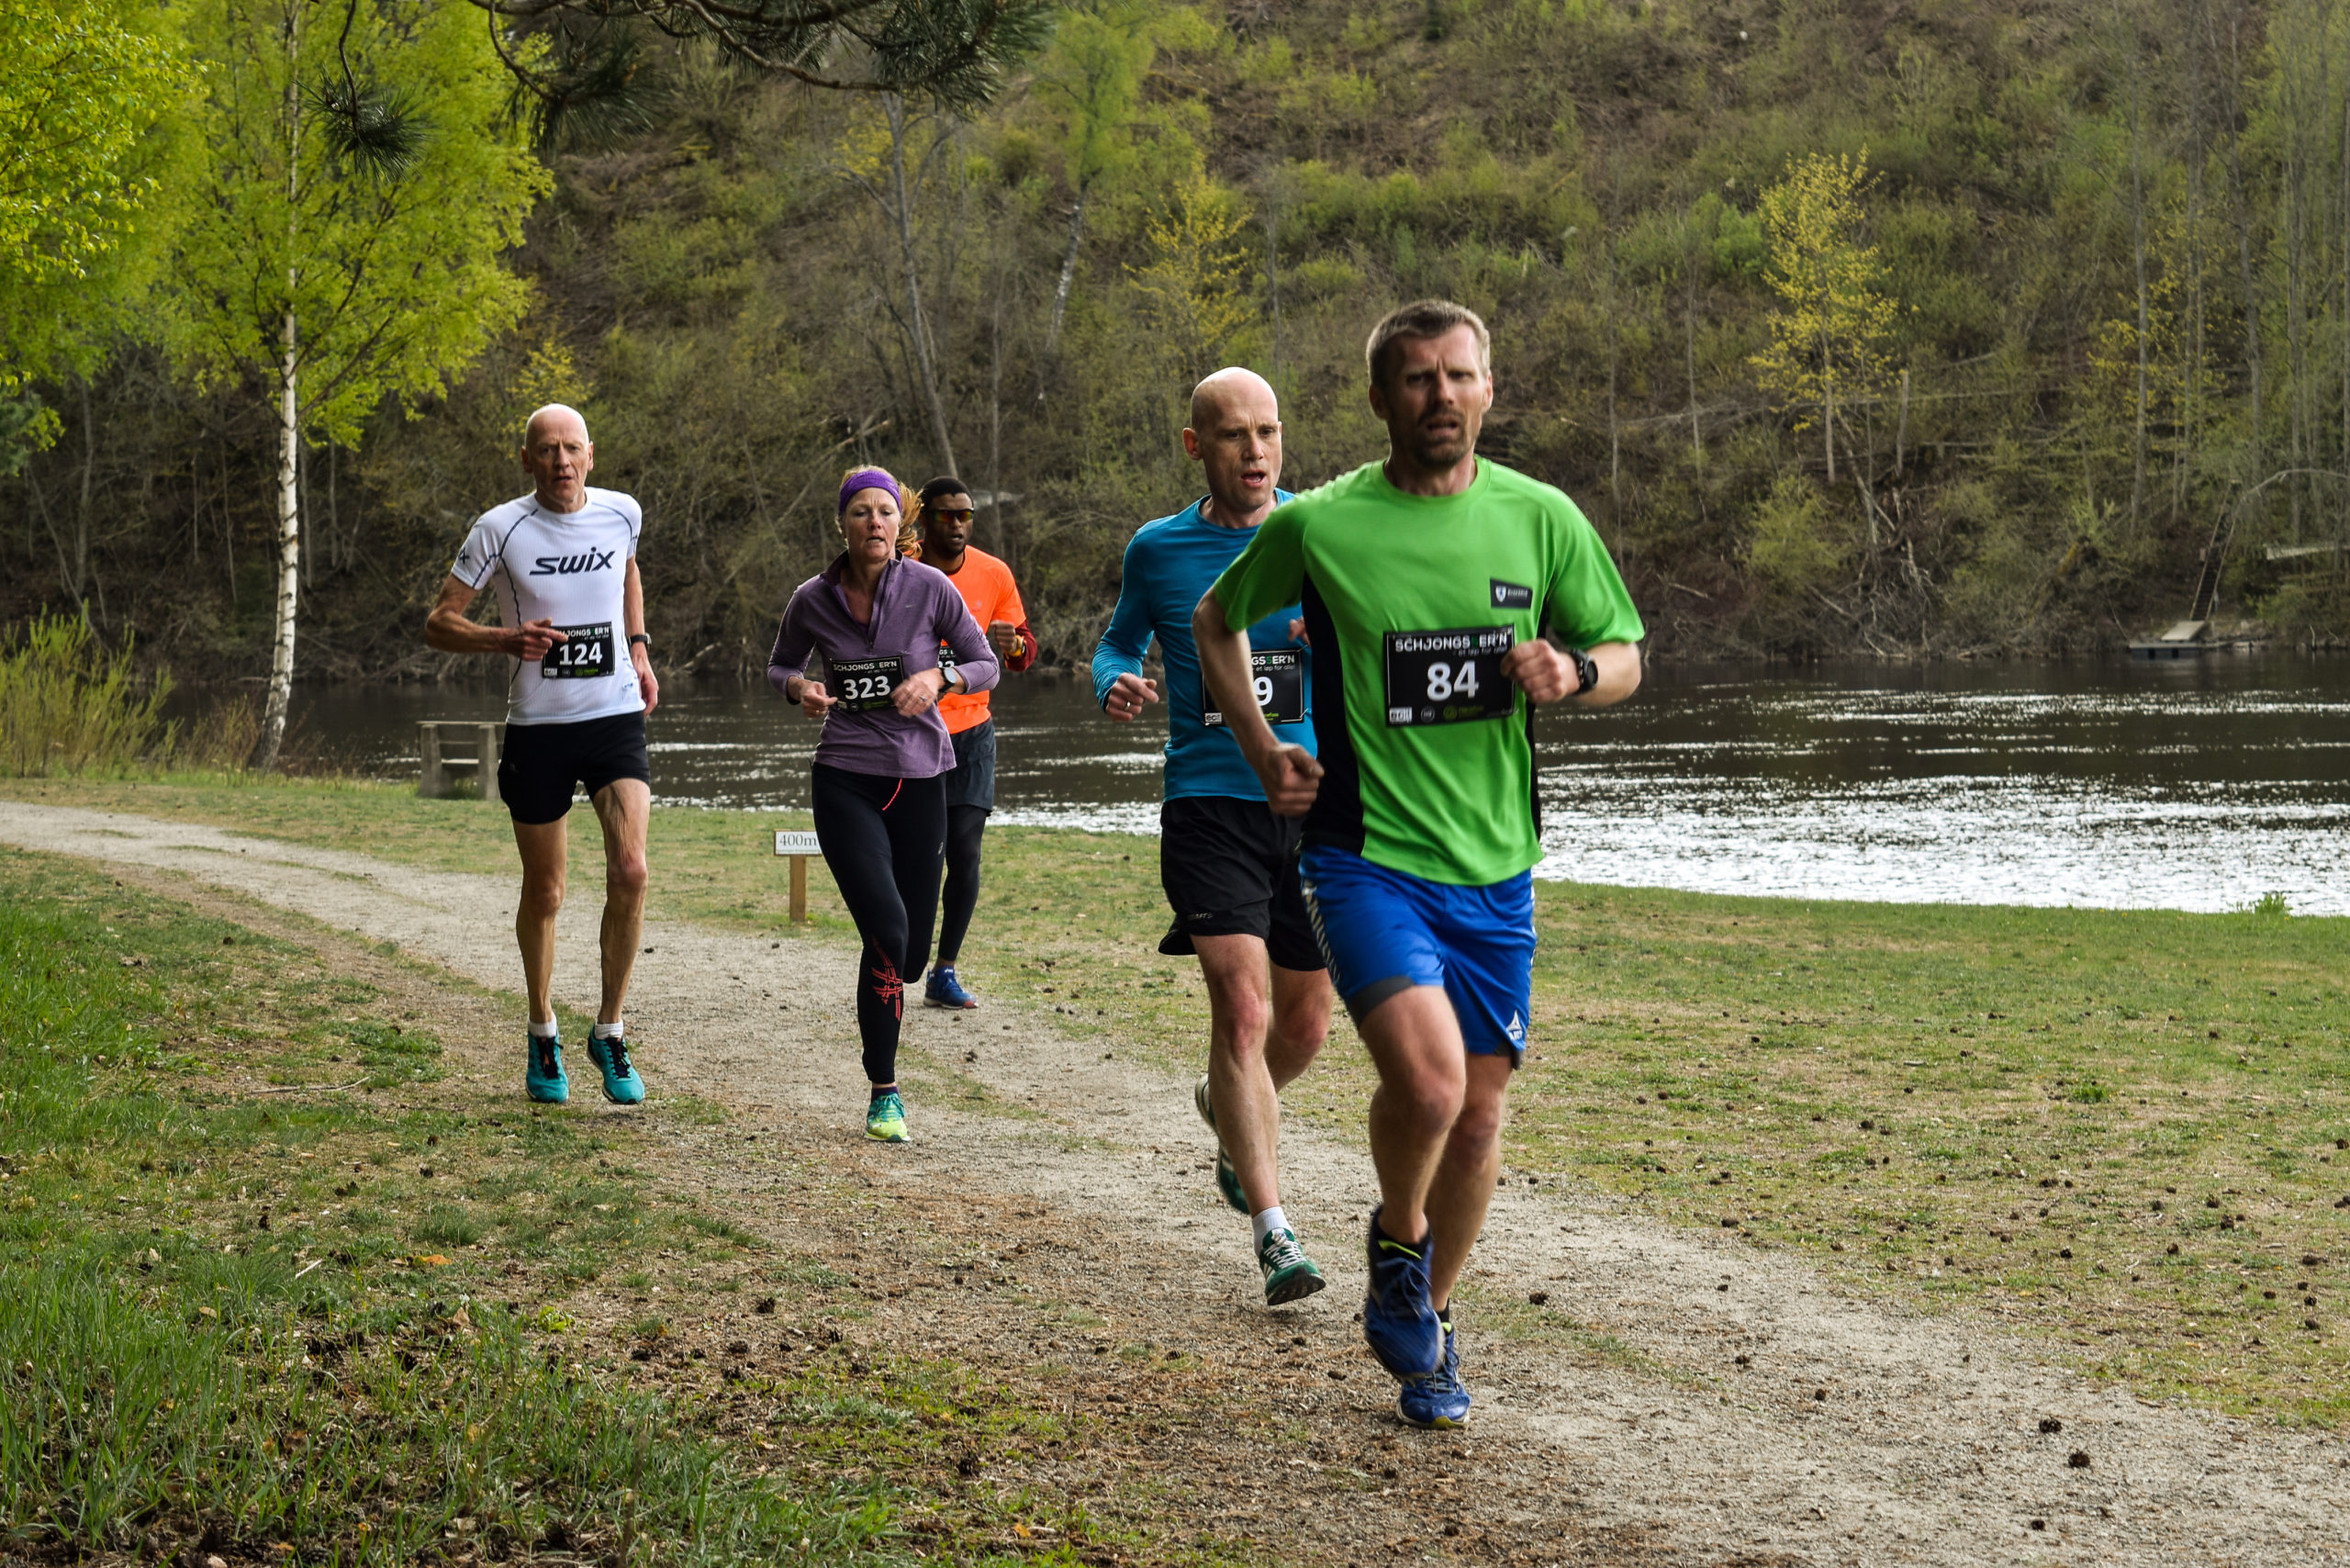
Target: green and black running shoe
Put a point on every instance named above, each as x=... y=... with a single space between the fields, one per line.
x=1227 y=1180
x=1289 y=1274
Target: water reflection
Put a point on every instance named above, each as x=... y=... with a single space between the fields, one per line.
x=2180 y=786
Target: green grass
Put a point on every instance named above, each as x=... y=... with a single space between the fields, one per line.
x=1936 y=1103
x=207 y=1340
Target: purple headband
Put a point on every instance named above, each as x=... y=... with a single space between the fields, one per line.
x=870 y=479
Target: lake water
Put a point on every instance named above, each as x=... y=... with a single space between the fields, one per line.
x=2197 y=784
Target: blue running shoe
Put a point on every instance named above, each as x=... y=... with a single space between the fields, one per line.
x=621 y=1085
x=543 y=1079
x=1438 y=1400
x=1397 y=1322
x=945 y=990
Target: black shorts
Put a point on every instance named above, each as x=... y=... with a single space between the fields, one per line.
x=541 y=762
x=1229 y=868
x=972 y=782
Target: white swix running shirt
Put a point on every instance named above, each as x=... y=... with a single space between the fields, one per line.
x=570 y=569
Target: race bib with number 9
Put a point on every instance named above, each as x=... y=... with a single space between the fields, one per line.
x=1278 y=676
x=1449 y=677
x=861 y=686
x=585 y=651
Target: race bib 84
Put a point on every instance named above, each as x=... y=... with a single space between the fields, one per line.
x=1450 y=677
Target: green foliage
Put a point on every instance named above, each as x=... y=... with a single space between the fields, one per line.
x=1831 y=335
x=69 y=702
x=1190 y=289
x=81 y=82
x=390 y=277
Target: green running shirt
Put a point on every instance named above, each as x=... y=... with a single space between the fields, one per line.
x=1410 y=602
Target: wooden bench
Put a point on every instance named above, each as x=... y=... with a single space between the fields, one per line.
x=433 y=734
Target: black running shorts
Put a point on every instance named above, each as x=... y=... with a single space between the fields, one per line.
x=541 y=762
x=1229 y=866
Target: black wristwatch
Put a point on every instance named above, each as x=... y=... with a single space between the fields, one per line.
x=636 y=637
x=1586 y=672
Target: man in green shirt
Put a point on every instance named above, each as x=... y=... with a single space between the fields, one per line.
x=1426 y=582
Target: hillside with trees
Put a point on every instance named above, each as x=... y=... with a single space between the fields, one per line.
x=1935 y=329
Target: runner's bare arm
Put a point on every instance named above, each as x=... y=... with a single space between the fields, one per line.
x=451 y=630
x=648 y=686
x=1289 y=773
x=1547 y=675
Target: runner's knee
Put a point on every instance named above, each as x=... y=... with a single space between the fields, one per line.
x=625 y=876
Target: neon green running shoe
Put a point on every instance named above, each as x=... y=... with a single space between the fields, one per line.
x=1289 y=1274
x=885 y=1118
x=1227 y=1180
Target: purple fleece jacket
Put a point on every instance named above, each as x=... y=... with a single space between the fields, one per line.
x=915 y=607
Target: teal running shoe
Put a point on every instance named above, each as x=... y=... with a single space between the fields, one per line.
x=543 y=1079
x=1397 y=1321
x=1439 y=1400
x=1227 y=1180
x=621 y=1085
x=885 y=1118
x=1289 y=1274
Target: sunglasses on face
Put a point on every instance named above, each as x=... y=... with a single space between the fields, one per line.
x=952 y=514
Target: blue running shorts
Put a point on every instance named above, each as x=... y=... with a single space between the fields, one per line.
x=1385 y=931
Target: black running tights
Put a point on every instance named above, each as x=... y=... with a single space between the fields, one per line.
x=883 y=839
x=964 y=826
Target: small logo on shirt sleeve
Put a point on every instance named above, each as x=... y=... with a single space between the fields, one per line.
x=1512 y=596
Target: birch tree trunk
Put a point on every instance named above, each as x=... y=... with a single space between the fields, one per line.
x=289 y=557
x=1068 y=275
x=289 y=430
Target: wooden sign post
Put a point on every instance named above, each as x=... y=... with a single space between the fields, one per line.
x=799 y=846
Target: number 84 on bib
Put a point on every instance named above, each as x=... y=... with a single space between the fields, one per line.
x=1452 y=677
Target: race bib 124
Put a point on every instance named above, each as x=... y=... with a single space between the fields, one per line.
x=584 y=653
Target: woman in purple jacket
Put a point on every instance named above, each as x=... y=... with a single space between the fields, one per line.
x=879 y=780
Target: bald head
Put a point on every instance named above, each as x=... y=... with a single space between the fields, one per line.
x=553 y=417
x=557 y=455
x=1236 y=436
x=1231 y=387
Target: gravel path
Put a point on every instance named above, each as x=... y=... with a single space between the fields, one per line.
x=1740 y=1408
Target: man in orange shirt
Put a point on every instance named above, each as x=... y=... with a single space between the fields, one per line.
x=988 y=590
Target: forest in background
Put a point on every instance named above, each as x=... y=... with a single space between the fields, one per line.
x=1934 y=329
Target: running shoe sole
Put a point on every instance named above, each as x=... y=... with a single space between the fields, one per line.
x=1294 y=1283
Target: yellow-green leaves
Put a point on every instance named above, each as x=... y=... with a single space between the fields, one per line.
x=1829 y=337
x=1193 y=286
x=78 y=89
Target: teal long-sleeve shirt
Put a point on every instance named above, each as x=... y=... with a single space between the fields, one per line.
x=1170 y=563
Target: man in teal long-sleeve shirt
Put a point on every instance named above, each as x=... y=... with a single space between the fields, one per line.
x=1228 y=864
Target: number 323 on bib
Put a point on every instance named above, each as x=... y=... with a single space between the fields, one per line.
x=1449 y=677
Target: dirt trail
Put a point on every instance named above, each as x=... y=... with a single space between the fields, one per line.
x=1657 y=1410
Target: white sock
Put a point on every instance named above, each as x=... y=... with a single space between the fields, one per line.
x=546 y=1031
x=1271 y=1220
x=611 y=1031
